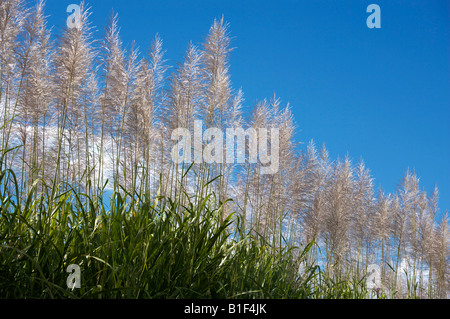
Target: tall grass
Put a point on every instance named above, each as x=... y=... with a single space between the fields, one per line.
x=88 y=178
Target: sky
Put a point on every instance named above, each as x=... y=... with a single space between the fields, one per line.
x=380 y=94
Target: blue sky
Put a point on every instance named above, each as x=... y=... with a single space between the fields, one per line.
x=380 y=94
